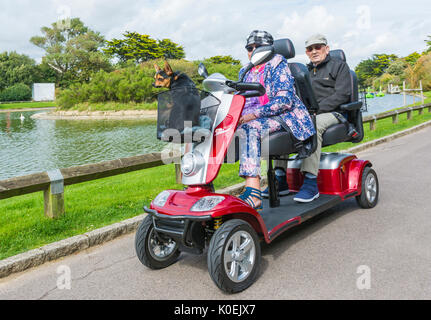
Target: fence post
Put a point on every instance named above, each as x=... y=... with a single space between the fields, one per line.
x=395 y=118
x=409 y=114
x=373 y=124
x=422 y=92
x=421 y=110
x=54 y=195
x=178 y=174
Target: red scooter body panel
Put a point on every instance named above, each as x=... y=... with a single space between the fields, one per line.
x=180 y=202
x=223 y=136
x=341 y=181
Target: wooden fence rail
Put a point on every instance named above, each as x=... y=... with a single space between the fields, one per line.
x=52 y=183
x=372 y=119
x=54 y=188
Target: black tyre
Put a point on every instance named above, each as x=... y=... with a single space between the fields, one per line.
x=234 y=256
x=370 y=189
x=154 y=251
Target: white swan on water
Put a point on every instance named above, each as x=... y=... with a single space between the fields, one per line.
x=22 y=117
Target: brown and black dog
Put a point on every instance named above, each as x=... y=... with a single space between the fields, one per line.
x=183 y=102
x=166 y=78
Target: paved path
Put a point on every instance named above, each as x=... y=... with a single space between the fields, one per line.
x=317 y=260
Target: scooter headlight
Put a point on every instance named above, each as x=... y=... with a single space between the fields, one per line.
x=161 y=198
x=191 y=163
x=206 y=203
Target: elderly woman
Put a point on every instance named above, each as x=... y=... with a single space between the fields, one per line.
x=258 y=114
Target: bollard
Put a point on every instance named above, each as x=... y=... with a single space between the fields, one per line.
x=54 y=195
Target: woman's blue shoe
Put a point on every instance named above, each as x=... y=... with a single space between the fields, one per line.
x=308 y=192
x=283 y=187
x=247 y=195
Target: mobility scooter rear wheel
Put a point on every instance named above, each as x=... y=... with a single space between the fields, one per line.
x=234 y=256
x=153 y=250
x=370 y=189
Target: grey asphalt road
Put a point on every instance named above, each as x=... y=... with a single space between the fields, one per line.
x=345 y=253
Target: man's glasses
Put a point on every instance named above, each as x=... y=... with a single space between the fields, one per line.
x=316 y=46
x=251 y=48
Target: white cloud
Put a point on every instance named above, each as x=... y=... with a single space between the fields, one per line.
x=220 y=27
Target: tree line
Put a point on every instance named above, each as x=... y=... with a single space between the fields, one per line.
x=382 y=69
x=87 y=67
x=75 y=54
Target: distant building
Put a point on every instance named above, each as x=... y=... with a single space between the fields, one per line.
x=43 y=92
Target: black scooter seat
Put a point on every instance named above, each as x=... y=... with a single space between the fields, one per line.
x=276 y=219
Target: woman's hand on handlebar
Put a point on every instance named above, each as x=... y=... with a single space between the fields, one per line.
x=246 y=118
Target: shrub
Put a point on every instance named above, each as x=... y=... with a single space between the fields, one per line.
x=17 y=92
x=133 y=83
x=423 y=69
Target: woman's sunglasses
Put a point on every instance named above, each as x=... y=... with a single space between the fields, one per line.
x=251 y=48
x=316 y=46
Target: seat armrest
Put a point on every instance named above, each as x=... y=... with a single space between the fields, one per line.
x=351 y=106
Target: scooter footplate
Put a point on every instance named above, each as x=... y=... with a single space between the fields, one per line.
x=291 y=213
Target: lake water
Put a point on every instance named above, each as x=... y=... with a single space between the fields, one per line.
x=35 y=145
x=390 y=101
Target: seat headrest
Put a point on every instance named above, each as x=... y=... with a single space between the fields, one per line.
x=284 y=47
x=338 y=54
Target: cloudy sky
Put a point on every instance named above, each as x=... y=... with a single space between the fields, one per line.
x=219 y=27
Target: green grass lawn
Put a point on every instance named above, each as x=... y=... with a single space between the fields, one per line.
x=88 y=206
x=94 y=204
x=25 y=105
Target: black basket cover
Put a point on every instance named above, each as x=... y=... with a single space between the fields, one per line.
x=185 y=107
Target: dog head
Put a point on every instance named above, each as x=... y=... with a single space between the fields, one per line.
x=164 y=77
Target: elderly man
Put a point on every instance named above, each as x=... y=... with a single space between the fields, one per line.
x=330 y=79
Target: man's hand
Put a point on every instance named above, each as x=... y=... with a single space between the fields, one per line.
x=246 y=118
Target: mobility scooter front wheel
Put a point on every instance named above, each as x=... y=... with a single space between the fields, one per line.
x=234 y=256
x=153 y=250
x=370 y=189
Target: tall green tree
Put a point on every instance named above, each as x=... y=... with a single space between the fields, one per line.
x=72 y=50
x=16 y=68
x=382 y=62
x=412 y=58
x=223 y=59
x=365 y=71
x=171 y=50
x=397 y=67
x=135 y=46
x=141 y=47
x=369 y=69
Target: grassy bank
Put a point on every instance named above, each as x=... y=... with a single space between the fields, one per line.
x=102 y=202
x=27 y=105
x=113 y=106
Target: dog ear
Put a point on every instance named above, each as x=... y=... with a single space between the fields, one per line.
x=168 y=69
x=157 y=67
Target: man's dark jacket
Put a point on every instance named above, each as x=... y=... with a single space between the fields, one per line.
x=331 y=83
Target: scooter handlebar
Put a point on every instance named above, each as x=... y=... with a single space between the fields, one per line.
x=253 y=89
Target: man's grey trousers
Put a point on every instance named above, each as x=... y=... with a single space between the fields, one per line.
x=311 y=164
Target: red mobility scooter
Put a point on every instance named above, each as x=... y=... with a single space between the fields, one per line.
x=189 y=220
